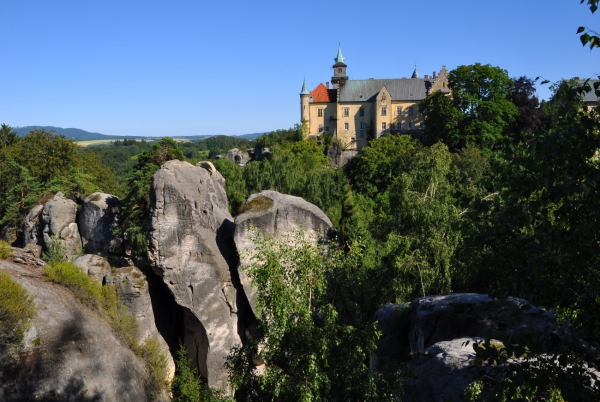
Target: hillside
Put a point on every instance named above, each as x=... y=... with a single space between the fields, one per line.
x=82 y=135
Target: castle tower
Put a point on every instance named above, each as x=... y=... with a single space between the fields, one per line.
x=339 y=70
x=415 y=73
x=304 y=100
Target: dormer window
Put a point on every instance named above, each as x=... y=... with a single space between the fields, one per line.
x=339 y=70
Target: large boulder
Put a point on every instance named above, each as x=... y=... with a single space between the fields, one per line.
x=58 y=220
x=435 y=334
x=94 y=266
x=132 y=288
x=97 y=220
x=191 y=249
x=273 y=213
x=238 y=156
x=69 y=353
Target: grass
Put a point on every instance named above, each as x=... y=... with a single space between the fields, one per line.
x=5 y=250
x=257 y=204
x=16 y=308
x=105 y=300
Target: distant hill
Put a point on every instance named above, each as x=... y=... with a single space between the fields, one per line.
x=82 y=135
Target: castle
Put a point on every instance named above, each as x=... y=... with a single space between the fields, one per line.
x=355 y=110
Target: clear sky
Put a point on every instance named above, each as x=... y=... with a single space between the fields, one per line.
x=235 y=67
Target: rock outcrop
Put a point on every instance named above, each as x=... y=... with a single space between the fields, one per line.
x=436 y=334
x=58 y=222
x=94 y=266
x=69 y=353
x=238 y=156
x=191 y=249
x=132 y=289
x=97 y=219
x=32 y=229
x=271 y=213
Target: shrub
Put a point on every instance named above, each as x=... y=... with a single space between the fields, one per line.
x=5 y=250
x=257 y=204
x=156 y=367
x=188 y=386
x=56 y=251
x=71 y=276
x=16 y=308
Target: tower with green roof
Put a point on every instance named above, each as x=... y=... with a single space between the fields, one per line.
x=339 y=70
x=304 y=103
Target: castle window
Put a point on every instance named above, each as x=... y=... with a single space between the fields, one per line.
x=384 y=126
x=346 y=111
x=383 y=110
x=411 y=110
x=422 y=126
x=398 y=126
x=383 y=97
x=320 y=112
x=398 y=110
x=361 y=112
x=346 y=126
x=320 y=127
x=339 y=70
x=410 y=125
x=362 y=126
x=327 y=129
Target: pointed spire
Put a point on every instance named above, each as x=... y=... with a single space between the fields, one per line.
x=415 y=73
x=304 y=90
x=339 y=58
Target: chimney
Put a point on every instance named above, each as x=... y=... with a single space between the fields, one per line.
x=327 y=85
x=426 y=76
x=434 y=75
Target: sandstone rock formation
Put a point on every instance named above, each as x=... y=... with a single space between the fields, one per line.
x=237 y=156
x=190 y=249
x=69 y=352
x=132 y=289
x=58 y=221
x=97 y=219
x=32 y=230
x=270 y=212
x=436 y=334
x=94 y=266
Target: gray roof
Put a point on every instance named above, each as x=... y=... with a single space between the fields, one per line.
x=590 y=96
x=399 y=89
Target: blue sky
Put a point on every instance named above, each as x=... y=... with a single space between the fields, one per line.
x=231 y=67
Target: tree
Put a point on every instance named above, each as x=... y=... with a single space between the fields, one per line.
x=588 y=36
x=314 y=340
x=478 y=112
x=530 y=116
x=7 y=136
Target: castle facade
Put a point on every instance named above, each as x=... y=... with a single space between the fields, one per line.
x=355 y=110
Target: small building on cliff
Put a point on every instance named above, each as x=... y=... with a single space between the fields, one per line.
x=355 y=110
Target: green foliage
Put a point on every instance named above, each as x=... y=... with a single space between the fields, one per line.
x=478 y=112
x=7 y=136
x=5 y=250
x=187 y=385
x=313 y=338
x=16 y=308
x=55 y=252
x=156 y=367
x=72 y=277
x=587 y=36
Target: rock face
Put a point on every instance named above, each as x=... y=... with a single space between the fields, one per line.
x=237 y=156
x=432 y=334
x=69 y=352
x=97 y=219
x=190 y=248
x=274 y=213
x=58 y=220
x=94 y=266
x=132 y=288
x=32 y=229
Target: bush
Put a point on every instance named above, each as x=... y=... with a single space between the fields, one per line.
x=71 y=276
x=16 y=308
x=187 y=385
x=156 y=367
x=56 y=252
x=5 y=250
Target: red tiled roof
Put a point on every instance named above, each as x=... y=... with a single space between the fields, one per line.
x=322 y=94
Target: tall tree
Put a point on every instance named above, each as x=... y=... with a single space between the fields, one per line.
x=479 y=111
x=7 y=136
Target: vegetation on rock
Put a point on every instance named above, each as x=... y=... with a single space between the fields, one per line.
x=16 y=309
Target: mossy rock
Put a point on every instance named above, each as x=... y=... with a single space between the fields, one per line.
x=257 y=204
